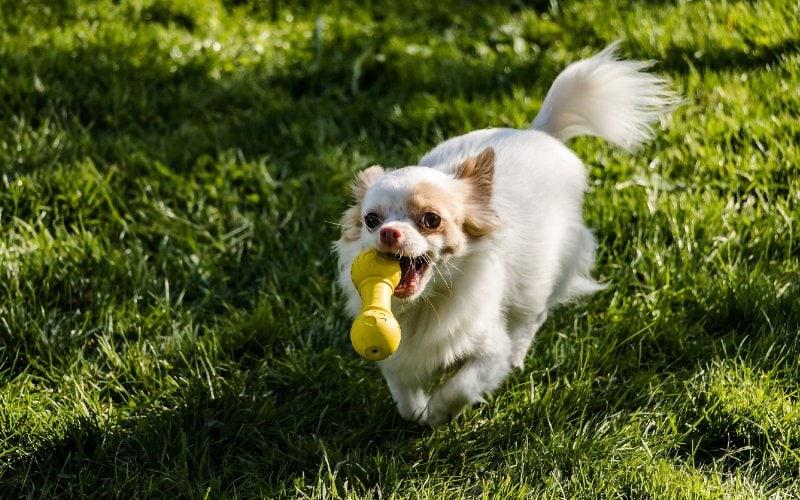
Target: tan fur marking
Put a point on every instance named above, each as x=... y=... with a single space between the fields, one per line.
x=426 y=198
x=478 y=173
x=351 y=218
x=448 y=205
x=351 y=223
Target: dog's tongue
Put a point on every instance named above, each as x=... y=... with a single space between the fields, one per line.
x=408 y=271
x=411 y=270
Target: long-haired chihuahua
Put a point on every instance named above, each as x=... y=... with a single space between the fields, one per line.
x=489 y=233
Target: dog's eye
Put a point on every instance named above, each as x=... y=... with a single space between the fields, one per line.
x=372 y=220
x=431 y=220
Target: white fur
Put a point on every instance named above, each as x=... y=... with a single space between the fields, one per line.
x=482 y=308
x=605 y=97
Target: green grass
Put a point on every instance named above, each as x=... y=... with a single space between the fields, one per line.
x=171 y=176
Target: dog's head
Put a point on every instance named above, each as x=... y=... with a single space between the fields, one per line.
x=419 y=215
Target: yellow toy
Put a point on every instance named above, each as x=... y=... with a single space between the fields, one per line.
x=375 y=333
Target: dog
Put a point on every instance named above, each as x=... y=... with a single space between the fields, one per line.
x=489 y=233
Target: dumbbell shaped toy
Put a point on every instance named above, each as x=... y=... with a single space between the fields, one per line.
x=375 y=333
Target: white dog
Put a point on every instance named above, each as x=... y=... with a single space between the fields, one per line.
x=489 y=233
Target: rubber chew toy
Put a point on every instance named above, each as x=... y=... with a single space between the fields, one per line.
x=375 y=333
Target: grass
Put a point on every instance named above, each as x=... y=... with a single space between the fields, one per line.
x=171 y=174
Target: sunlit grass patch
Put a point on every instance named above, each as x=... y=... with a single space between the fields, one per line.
x=171 y=177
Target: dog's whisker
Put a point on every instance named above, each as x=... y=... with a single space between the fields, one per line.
x=445 y=261
x=453 y=266
x=446 y=283
x=433 y=308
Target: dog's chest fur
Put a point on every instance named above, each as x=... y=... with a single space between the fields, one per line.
x=435 y=327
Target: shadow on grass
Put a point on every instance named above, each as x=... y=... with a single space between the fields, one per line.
x=281 y=422
x=683 y=59
x=272 y=429
x=129 y=100
x=297 y=416
x=163 y=141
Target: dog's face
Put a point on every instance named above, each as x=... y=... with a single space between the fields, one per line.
x=420 y=216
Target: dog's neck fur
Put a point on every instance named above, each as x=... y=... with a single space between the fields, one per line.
x=434 y=321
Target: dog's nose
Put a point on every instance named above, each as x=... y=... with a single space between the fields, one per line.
x=391 y=236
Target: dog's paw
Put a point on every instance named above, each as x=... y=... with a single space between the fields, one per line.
x=443 y=409
x=414 y=409
x=437 y=418
x=518 y=359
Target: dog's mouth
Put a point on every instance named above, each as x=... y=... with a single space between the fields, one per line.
x=413 y=270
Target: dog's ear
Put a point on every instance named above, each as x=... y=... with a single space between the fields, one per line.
x=351 y=218
x=351 y=223
x=364 y=180
x=477 y=172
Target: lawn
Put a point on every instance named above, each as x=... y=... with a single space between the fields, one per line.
x=172 y=173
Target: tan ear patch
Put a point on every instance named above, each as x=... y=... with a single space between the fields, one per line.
x=351 y=223
x=481 y=222
x=351 y=218
x=477 y=172
x=364 y=180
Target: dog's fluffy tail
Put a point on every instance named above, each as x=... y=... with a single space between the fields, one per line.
x=606 y=97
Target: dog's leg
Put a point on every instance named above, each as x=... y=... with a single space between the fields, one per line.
x=480 y=375
x=412 y=402
x=522 y=333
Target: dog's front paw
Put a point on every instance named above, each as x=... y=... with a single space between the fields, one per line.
x=436 y=418
x=414 y=409
x=442 y=409
x=518 y=359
